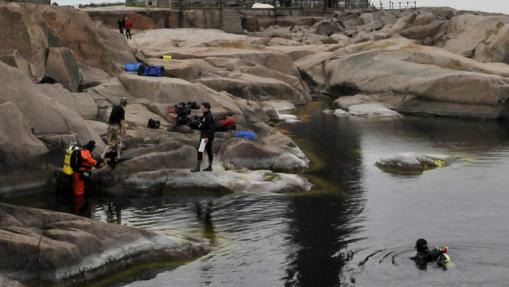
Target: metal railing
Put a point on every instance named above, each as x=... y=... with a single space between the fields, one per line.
x=278 y=4
x=396 y=5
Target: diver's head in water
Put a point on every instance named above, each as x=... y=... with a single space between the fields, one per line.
x=421 y=246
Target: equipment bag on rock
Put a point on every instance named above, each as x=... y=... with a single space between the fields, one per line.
x=153 y=124
x=151 y=71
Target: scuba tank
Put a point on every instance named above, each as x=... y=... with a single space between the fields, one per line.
x=67 y=168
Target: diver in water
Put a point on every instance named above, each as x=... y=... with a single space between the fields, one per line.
x=425 y=255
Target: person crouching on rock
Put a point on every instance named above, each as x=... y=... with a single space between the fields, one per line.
x=82 y=175
x=207 y=130
x=425 y=255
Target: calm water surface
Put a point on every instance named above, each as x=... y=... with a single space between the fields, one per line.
x=359 y=226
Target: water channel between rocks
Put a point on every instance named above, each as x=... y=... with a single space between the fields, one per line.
x=359 y=225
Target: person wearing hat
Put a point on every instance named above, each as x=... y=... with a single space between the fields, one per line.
x=116 y=129
x=86 y=162
x=207 y=131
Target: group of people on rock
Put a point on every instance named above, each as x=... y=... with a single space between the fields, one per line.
x=125 y=24
x=117 y=130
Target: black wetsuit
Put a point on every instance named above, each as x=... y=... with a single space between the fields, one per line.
x=434 y=255
x=117 y=115
x=207 y=130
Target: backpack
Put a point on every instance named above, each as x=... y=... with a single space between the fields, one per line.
x=76 y=159
x=153 y=124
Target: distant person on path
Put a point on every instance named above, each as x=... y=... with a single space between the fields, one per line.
x=121 y=26
x=117 y=129
x=207 y=130
x=128 y=25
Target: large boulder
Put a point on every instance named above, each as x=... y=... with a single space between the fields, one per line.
x=17 y=143
x=255 y=88
x=26 y=35
x=327 y=28
x=46 y=246
x=275 y=153
x=481 y=37
x=180 y=157
x=402 y=67
x=33 y=29
x=173 y=91
x=14 y=59
x=403 y=70
x=81 y=103
x=414 y=163
x=92 y=44
x=45 y=117
x=223 y=181
x=61 y=66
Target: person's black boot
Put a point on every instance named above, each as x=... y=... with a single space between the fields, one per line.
x=209 y=168
x=197 y=168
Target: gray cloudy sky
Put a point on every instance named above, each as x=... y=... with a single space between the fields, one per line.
x=501 y=6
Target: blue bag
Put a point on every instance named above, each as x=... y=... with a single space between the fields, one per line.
x=153 y=71
x=131 y=67
x=249 y=135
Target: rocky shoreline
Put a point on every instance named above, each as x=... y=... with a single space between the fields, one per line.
x=46 y=247
x=62 y=72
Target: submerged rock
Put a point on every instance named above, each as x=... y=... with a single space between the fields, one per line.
x=414 y=162
x=372 y=110
x=340 y=113
x=46 y=246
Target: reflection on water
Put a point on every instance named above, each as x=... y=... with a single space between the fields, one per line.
x=361 y=229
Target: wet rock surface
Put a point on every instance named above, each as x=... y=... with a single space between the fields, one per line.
x=46 y=246
x=167 y=180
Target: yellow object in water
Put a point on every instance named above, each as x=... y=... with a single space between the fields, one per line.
x=439 y=162
x=167 y=57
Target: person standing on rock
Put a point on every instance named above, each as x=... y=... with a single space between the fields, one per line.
x=121 y=26
x=207 y=131
x=117 y=129
x=128 y=25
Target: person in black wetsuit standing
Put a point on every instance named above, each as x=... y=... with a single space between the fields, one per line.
x=207 y=131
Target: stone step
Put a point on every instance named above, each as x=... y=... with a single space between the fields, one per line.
x=231 y=21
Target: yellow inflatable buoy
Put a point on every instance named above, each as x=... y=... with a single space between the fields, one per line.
x=167 y=57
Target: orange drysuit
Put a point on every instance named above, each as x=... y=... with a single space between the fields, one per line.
x=78 y=184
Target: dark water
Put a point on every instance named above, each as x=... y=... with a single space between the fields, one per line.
x=359 y=226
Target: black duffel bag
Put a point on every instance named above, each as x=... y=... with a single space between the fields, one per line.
x=153 y=124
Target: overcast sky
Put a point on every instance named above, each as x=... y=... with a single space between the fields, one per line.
x=501 y=6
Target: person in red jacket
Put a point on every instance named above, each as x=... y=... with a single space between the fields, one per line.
x=86 y=164
x=128 y=26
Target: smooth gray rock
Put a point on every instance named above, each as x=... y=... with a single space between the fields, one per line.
x=260 y=181
x=414 y=162
x=40 y=245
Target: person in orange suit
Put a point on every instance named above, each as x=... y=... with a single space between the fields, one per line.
x=86 y=164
